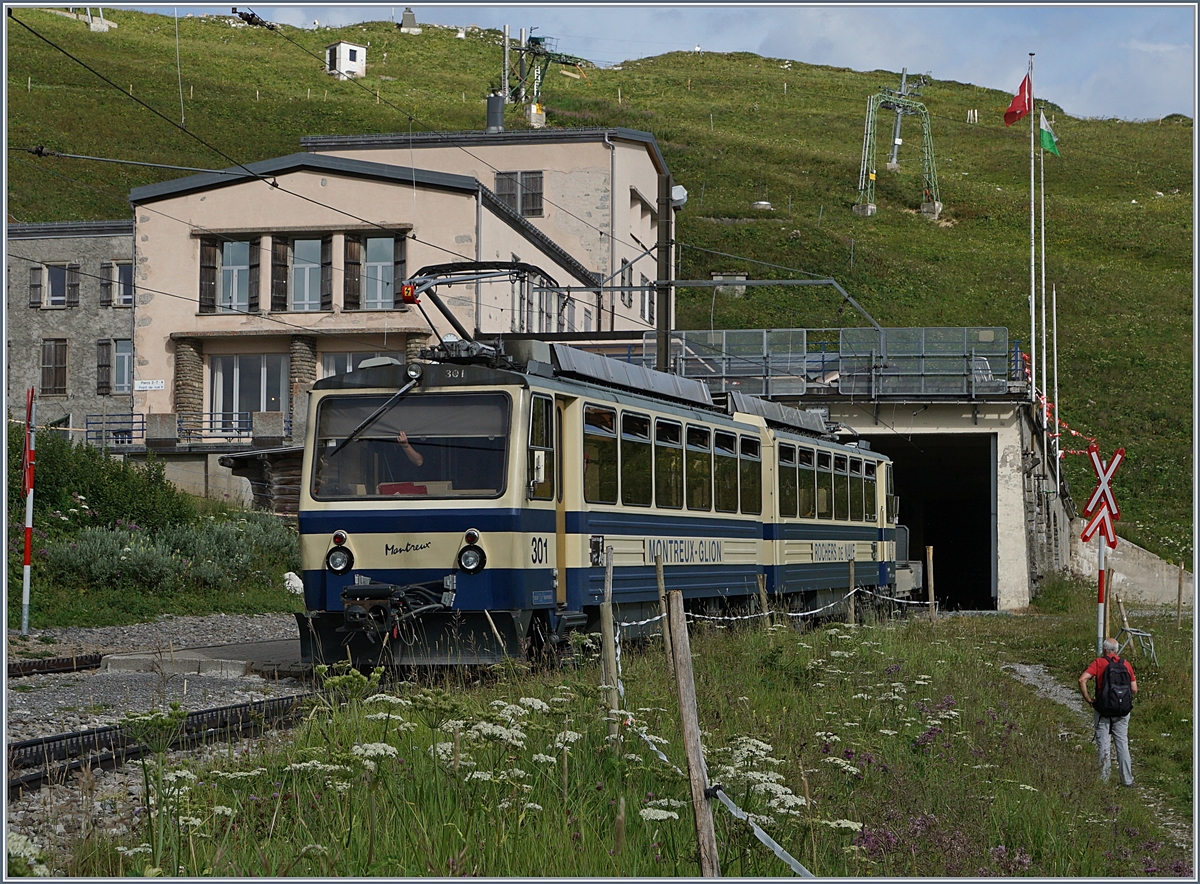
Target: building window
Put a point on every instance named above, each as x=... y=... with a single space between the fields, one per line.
x=122 y=381
x=379 y=290
x=229 y=276
x=587 y=319
x=306 y=275
x=120 y=275
x=648 y=298
x=342 y=363
x=235 y=277
x=626 y=283
x=374 y=269
x=521 y=192
x=354 y=55
x=54 y=285
x=54 y=367
x=243 y=384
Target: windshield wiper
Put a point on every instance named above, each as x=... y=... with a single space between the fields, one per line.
x=371 y=418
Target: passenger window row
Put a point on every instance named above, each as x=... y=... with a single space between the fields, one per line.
x=825 y=485
x=669 y=464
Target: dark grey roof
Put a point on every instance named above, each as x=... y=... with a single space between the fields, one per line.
x=318 y=143
x=572 y=362
x=294 y=163
x=778 y=414
x=70 y=229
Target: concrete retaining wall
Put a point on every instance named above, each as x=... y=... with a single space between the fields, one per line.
x=1137 y=574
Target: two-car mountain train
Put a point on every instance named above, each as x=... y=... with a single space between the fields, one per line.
x=456 y=512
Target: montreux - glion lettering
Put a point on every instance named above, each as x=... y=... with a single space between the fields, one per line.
x=684 y=552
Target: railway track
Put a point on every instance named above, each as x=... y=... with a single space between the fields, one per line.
x=48 y=665
x=34 y=763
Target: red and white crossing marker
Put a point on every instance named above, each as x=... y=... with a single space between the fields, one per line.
x=1102 y=511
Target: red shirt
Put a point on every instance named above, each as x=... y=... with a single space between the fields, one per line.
x=1100 y=664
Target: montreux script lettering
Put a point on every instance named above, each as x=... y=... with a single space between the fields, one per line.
x=391 y=550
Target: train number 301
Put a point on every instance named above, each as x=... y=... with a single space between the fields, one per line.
x=539 y=551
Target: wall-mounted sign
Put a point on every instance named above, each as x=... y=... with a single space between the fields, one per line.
x=141 y=386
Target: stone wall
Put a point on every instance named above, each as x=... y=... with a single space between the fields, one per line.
x=189 y=375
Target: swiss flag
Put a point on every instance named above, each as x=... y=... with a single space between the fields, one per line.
x=1021 y=103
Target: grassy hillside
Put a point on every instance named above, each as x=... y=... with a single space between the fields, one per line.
x=1119 y=203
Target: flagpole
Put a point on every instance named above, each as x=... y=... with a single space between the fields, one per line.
x=1032 y=250
x=1057 y=419
x=1045 y=401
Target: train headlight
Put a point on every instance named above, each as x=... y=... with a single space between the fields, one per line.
x=413 y=370
x=471 y=559
x=339 y=560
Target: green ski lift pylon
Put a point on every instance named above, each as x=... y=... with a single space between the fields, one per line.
x=898 y=101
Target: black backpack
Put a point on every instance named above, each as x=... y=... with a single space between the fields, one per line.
x=1115 y=697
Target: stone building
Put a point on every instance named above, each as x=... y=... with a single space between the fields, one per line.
x=70 y=298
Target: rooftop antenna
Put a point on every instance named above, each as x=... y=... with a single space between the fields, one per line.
x=902 y=102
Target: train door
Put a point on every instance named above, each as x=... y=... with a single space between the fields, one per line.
x=560 y=506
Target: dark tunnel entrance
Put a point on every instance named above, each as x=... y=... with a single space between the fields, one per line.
x=947 y=488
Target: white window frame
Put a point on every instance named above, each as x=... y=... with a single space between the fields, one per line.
x=122 y=365
x=377 y=291
x=310 y=274
x=217 y=402
x=234 y=295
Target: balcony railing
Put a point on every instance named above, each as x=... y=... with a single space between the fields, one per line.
x=103 y=430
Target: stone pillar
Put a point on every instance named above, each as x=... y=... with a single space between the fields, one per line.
x=413 y=345
x=189 y=379
x=302 y=366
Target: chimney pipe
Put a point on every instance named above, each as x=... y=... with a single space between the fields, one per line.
x=495 y=113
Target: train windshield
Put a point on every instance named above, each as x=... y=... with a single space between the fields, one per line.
x=424 y=445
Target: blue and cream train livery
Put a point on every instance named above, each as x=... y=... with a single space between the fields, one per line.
x=459 y=510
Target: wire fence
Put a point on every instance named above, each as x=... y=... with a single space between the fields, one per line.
x=715 y=790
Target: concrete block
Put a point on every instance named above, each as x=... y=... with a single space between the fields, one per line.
x=162 y=430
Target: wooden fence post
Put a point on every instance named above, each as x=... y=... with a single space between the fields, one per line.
x=662 y=604
x=850 y=598
x=929 y=575
x=608 y=637
x=689 y=720
x=762 y=599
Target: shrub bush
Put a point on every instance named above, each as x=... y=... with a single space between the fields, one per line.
x=101 y=489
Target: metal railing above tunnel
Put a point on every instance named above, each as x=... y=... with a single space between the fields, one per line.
x=968 y=362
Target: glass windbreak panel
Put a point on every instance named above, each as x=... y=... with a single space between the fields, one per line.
x=541 y=444
x=806 y=477
x=698 y=469
x=668 y=464
x=787 y=481
x=636 y=486
x=725 y=473
x=457 y=446
x=751 y=476
x=599 y=455
x=824 y=485
x=856 y=490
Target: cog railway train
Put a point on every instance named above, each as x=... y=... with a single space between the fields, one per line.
x=459 y=510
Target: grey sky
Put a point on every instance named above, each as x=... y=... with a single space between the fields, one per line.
x=1133 y=61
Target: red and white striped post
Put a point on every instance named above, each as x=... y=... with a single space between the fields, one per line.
x=27 y=487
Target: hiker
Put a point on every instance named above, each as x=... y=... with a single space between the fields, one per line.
x=414 y=456
x=1115 y=686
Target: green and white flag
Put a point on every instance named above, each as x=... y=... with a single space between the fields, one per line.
x=1048 y=138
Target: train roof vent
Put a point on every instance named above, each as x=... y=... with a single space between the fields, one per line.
x=575 y=363
x=777 y=414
